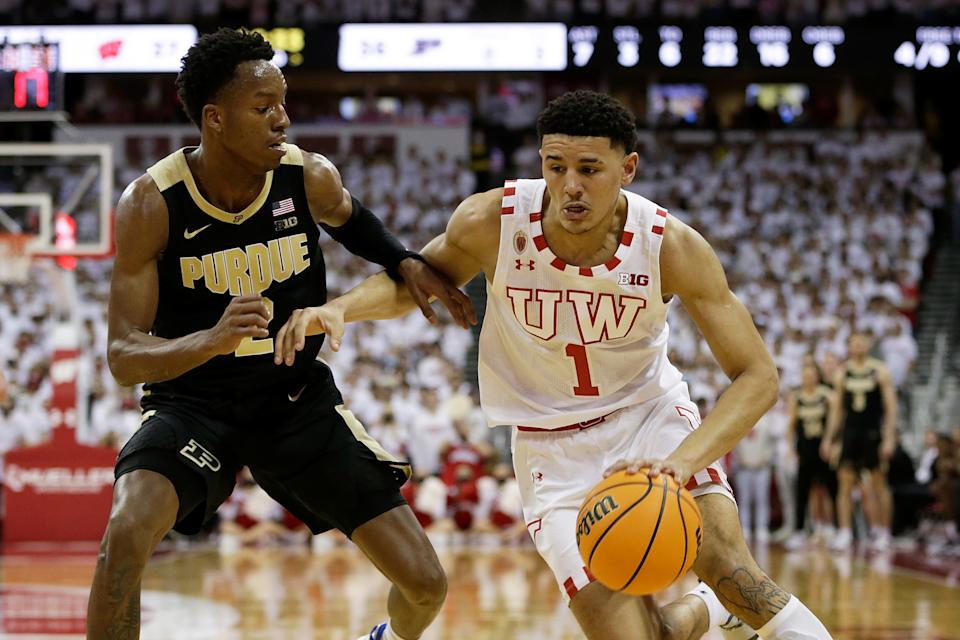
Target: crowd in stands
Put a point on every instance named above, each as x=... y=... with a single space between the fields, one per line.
x=267 y=13
x=818 y=234
x=151 y=98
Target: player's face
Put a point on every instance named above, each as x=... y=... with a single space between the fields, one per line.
x=858 y=345
x=809 y=376
x=584 y=175
x=254 y=121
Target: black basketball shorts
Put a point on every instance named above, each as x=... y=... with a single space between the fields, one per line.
x=861 y=448
x=302 y=446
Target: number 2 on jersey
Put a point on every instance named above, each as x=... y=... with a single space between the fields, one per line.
x=585 y=386
x=251 y=346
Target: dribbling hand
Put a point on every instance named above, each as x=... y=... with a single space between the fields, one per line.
x=679 y=471
x=310 y=321
x=244 y=317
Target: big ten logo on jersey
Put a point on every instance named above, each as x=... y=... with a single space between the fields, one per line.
x=284 y=223
x=633 y=279
x=598 y=316
x=250 y=270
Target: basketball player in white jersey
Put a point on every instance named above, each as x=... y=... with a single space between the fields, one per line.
x=573 y=352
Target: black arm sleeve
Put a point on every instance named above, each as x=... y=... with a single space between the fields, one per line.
x=364 y=234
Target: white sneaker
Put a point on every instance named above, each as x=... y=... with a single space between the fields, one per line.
x=796 y=542
x=842 y=541
x=881 y=543
x=824 y=533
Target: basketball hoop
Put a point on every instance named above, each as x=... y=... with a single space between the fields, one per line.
x=14 y=257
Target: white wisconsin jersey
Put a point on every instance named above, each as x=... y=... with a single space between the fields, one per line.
x=563 y=344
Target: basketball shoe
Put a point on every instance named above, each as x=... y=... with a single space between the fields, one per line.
x=842 y=540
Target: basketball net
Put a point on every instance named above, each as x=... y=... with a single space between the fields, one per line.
x=14 y=257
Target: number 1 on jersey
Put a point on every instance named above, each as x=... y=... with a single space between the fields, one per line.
x=250 y=346
x=585 y=386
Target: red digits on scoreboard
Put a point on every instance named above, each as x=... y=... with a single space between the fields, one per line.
x=42 y=87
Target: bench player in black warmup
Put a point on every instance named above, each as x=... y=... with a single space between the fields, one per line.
x=864 y=415
x=808 y=410
x=216 y=246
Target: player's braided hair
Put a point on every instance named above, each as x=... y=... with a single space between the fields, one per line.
x=588 y=113
x=210 y=64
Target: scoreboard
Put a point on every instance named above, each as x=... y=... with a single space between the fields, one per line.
x=30 y=77
x=812 y=47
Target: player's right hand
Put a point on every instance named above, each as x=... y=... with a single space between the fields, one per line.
x=244 y=317
x=311 y=321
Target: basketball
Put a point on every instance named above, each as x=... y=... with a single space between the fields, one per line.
x=636 y=534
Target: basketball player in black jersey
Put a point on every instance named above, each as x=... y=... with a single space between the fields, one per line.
x=864 y=415
x=808 y=410
x=216 y=245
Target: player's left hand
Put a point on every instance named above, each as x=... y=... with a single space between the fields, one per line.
x=678 y=470
x=426 y=283
x=310 y=321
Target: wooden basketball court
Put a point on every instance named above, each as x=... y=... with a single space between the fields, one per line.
x=499 y=594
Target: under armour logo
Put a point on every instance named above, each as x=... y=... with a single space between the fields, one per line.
x=528 y=264
x=196 y=453
x=537 y=476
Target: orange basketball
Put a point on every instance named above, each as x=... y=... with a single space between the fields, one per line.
x=636 y=535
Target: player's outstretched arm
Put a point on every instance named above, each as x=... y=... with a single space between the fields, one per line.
x=362 y=233
x=133 y=354
x=469 y=246
x=690 y=269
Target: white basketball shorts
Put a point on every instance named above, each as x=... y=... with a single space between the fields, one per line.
x=556 y=469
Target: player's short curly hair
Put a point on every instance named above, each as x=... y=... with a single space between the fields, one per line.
x=210 y=64
x=588 y=113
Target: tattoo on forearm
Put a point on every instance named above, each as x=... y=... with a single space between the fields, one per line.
x=756 y=594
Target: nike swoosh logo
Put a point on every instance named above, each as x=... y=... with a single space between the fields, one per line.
x=292 y=398
x=187 y=234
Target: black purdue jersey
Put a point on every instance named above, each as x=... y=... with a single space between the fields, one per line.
x=812 y=413
x=270 y=248
x=862 y=402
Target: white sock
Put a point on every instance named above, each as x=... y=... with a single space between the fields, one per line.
x=718 y=614
x=731 y=627
x=794 y=622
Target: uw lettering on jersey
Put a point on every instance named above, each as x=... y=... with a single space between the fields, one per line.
x=812 y=412
x=563 y=344
x=270 y=248
x=862 y=401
